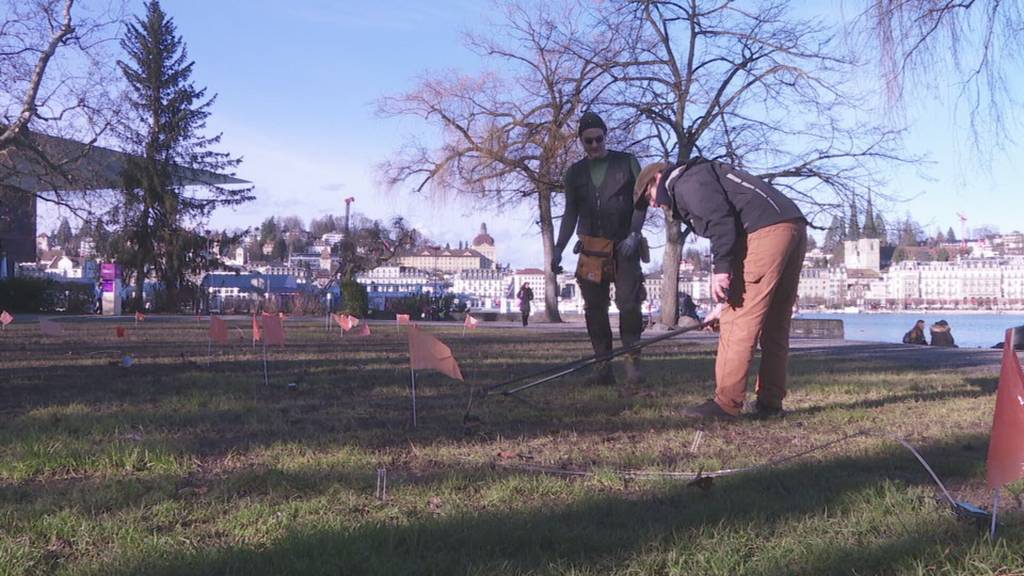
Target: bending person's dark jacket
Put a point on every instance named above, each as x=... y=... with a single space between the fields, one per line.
x=723 y=203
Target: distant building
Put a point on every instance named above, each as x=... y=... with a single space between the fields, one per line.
x=534 y=278
x=863 y=254
x=445 y=259
x=386 y=283
x=17 y=229
x=484 y=244
x=485 y=288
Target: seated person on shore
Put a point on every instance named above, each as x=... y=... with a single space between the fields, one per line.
x=1018 y=339
x=916 y=334
x=942 y=335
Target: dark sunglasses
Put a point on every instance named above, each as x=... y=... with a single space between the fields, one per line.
x=594 y=140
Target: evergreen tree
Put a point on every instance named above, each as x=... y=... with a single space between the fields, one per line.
x=269 y=230
x=165 y=125
x=950 y=236
x=280 y=251
x=853 y=232
x=834 y=235
x=63 y=235
x=882 y=228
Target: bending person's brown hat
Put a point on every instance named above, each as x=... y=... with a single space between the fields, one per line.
x=644 y=179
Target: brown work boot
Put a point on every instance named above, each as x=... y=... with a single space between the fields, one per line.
x=757 y=411
x=601 y=375
x=634 y=377
x=707 y=410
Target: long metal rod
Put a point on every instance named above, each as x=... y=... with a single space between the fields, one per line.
x=577 y=365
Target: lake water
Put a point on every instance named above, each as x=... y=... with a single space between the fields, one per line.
x=969 y=330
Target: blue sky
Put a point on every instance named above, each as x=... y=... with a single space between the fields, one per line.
x=298 y=81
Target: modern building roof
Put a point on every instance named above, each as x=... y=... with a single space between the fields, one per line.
x=74 y=166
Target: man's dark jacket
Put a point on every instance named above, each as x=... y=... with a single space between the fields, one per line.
x=723 y=204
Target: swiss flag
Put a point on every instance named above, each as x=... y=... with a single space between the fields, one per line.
x=6 y=318
x=402 y=319
x=139 y=317
x=426 y=352
x=1006 y=443
x=470 y=322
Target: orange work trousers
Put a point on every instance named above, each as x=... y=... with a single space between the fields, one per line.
x=762 y=295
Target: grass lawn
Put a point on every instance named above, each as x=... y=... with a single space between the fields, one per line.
x=186 y=463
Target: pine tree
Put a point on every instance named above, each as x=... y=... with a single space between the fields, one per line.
x=834 y=235
x=950 y=236
x=882 y=228
x=167 y=118
x=853 y=232
x=62 y=235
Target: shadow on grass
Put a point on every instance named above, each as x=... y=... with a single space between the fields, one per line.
x=669 y=528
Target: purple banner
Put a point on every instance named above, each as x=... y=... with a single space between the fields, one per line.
x=108 y=273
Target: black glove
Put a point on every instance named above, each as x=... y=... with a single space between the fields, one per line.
x=556 y=260
x=630 y=247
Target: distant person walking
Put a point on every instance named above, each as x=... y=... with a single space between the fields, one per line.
x=525 y=296
x=916 y=334
x=942 y=335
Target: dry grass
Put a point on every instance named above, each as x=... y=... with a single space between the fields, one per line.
x=188 y=463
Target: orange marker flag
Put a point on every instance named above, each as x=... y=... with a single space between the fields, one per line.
x=50 y=328
x=273 y=331
x=362 y=329
x=139 y=317
x=470 y=322
x=256 y=337
x=1006 y=443
x=402 y=319
x=426 y=352
x=6 y=318
x=218 y=330
x=344 y=321
x=119 y=331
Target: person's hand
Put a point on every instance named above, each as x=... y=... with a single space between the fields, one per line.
x=713 y=317
x=720 y=286
x=556 y=262
x=629 y=247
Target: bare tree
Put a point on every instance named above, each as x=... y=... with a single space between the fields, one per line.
x=507 y=138
x=751 y=85
x=56 y=95
x=981 y=42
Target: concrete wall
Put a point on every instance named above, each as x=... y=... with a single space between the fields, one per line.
x=807 y=328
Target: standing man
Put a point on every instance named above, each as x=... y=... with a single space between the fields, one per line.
x=758 y=240
x=525 y=296
x=599 y=207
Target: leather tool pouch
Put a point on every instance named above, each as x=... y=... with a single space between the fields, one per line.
x=597 y=260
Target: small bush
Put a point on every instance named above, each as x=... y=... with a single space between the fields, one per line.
x=46 y=295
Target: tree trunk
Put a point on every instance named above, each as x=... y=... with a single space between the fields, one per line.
x=547 y=234
x=670 y=271
x=140 y=279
